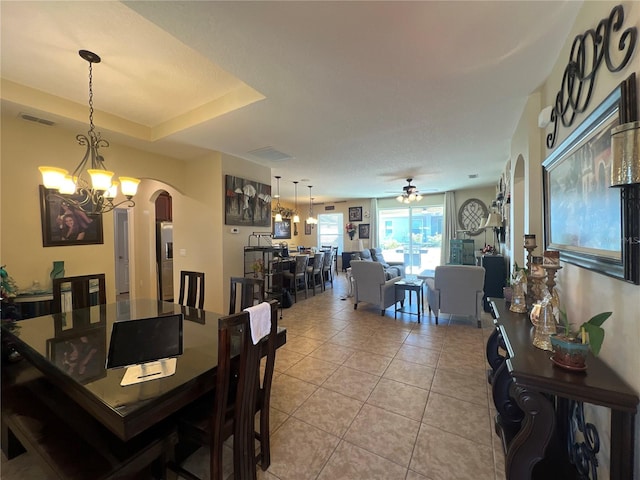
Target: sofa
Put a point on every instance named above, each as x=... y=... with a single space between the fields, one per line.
x=391 y=270
x=456 y=290
x=372 y=285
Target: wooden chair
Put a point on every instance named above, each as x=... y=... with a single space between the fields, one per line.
x=238 y=396
x=300 y=273
x=251 y=292
x=195 y=289
x=315 y=271
x=84 y=291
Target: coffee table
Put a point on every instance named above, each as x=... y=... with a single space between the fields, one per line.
x=416 y=286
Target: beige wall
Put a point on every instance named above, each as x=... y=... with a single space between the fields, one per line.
x=583 y=292
x=196 y=186
x=25 y=146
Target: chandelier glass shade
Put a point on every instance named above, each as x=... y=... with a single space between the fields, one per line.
x=278 y=217
x=96 y=194
x=296 y=217
x=409 y=193
x=311 y=220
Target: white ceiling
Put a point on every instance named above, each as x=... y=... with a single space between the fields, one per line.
x=361 y=95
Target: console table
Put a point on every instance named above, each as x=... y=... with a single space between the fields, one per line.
x=536 y=400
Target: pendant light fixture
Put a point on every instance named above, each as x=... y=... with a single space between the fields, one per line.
x=311 y=220
x=278 y=207
x=296 y=217
x=95 y=197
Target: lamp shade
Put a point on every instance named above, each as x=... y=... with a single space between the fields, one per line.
x=494 y=220
x=625 y=148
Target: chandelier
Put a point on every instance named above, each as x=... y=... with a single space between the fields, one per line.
x=296 y=217
x=409 y=193
x=278 y=207
x=310 y=219
x=96 y=197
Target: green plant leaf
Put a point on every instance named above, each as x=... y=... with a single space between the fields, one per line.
x=596 y=336
x=599 y=319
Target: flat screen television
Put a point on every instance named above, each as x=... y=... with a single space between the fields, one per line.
x=148 y=346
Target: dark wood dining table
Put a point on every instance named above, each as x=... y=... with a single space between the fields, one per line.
x=46 y=342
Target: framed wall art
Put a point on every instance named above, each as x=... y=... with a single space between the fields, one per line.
x=583 y=215
x=363 y=230
x=246 y=202
x=64 y=224
x=282 y=230
x=355 y=214
x=307 y=228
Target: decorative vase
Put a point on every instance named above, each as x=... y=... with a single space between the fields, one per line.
x=518 y=300
x=351 y=234
x=58 y=269
x=545 y=324
x=568 y=353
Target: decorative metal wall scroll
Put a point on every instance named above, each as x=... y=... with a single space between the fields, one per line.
x=587 y=52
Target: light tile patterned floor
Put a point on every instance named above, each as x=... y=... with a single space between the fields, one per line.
x=358 y=396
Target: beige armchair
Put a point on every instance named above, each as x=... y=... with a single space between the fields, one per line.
x=456 y=290
x=372 y=286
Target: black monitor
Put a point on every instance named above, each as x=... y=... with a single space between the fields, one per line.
x=140 y=341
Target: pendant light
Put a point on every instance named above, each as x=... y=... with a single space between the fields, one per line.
x=95 y=196
x=278 y=207
x=311 y=220
x=296 y=217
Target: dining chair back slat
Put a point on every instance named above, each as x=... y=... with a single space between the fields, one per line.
x=192 y=283
x=251 y=293
x=71 y=293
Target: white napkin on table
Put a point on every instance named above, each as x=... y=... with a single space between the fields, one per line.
x=260 y=319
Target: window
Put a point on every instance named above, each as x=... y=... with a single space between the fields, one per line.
x=412 y=235
x=330 y=230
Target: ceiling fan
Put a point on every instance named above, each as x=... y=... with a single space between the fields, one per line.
x=409 y=193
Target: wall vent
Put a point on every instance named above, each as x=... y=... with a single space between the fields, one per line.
x=33 y=118
x=270 y=153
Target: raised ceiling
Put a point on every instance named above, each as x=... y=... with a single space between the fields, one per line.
x=350 y=97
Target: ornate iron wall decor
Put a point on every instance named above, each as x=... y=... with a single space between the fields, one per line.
x=587 y=53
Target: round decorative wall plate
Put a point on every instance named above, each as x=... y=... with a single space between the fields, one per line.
x=471 y=214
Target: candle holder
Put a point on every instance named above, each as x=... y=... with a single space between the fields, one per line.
x=552 y=271
x=530 y=247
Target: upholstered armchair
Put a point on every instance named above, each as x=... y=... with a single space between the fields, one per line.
x=456 y=290
x=372 y=286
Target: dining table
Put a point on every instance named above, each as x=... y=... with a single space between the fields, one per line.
x=70 y=350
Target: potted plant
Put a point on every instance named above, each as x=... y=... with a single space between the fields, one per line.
x=570 y=348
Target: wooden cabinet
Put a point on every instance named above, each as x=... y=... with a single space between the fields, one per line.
x=540 y=407
x=346 y=260
x=495 y=275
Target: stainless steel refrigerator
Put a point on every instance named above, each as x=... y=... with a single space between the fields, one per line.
x=164 y=257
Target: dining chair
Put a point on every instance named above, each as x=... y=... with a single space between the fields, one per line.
x=238 y=396
x=193 y=283
x=315 y=271
x=299 y=274
x=327 y=269
x=251 y=292
x=71 y=293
